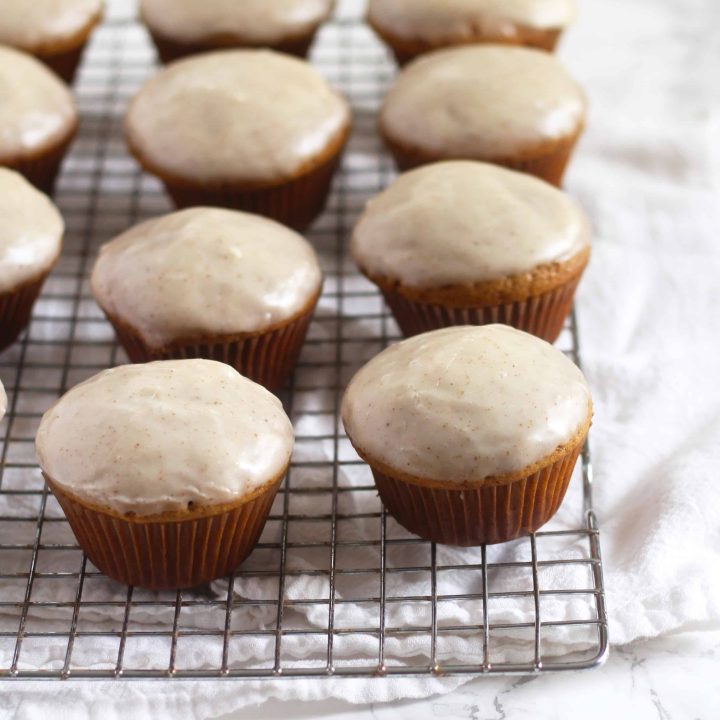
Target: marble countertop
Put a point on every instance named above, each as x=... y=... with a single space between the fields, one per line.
x=674 y=677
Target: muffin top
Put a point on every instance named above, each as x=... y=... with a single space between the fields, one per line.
x=466 y=404
x=482 y=102
x=251 y=21
x=156 y=437
x=37 y=110
x=236 y=115
x=205 y=271
x=31 y=231
x=465 y=19
x=461 y=221
x=46 y=26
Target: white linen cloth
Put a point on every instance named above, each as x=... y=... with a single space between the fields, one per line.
x=648 y=172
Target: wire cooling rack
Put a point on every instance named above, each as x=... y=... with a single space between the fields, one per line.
x=335 y=587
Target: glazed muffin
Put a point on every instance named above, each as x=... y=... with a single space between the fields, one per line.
x=54 y=31
x=212 y=283
x=38 y=118
x=468 y=243
x=166 y=471
x=472 y=433
x=185 y=27
x=251 y=130
x=510 y=106
x=31 y=232
x=414 y=27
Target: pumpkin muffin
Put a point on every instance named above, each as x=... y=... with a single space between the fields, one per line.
x=38 y=118
x=166 y=471
x=510 y=106
x=31 y=232
x=468 y=243
x=252 y=130
x=212 y=283
x=54 y=31
x=472 y=433
x=186 y=27
x=414 y=27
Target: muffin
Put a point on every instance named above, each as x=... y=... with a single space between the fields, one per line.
x=54 y=31
x=185 y=27
x=38 y=118
x=31 y=233
x=414 y=27
x=166 y=471
x=468 y=243
x=510 y=106
x=252 y=130
x=211 y=283
x=472 y=433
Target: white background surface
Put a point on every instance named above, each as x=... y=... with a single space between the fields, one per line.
x=670 y=678
x=648 y=172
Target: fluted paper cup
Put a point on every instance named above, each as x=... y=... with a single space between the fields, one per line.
x=171 y=550
x=488 y=513
x=268 y=358
x=16 y=308
x=541 y=315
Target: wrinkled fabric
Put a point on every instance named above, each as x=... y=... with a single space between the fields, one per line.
x=648 y=173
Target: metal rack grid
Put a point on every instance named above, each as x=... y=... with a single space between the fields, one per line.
x=335 y=587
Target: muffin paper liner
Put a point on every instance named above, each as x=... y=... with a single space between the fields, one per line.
x=168 y=50
x=163 y=554
x=406 y=51
x=477 y=516
x=65 y=64
x=42 y=170
x=15 y=309
x=266 y=358
x=542 y=315
x=549 y=166
x=295 y=203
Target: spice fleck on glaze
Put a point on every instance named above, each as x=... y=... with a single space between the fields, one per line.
x=31 y=231
x=482 y=102
x=36 y=107
x=235 y=116
x=151 y=438
x=464 y=222
x=465 y=403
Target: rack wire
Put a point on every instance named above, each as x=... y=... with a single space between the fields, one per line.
x=335 y=586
